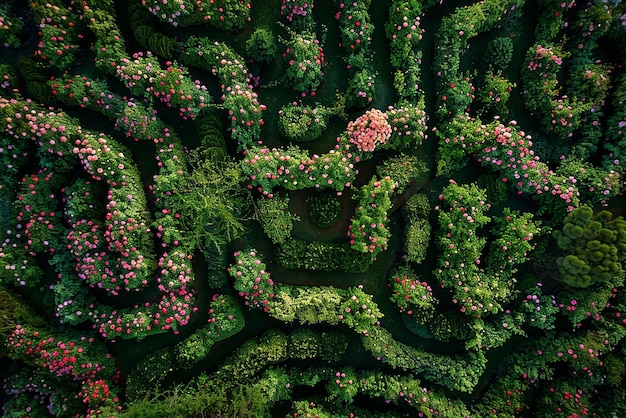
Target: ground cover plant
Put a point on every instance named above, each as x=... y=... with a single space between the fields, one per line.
x=312 y=208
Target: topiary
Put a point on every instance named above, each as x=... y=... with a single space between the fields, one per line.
x=594 y=247
x=261 y=46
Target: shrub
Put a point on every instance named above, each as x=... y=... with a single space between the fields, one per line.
x=262 y=46
x=252 y=281
x=499 y=53
x=10 y=28
x=594 y=247
x=411 y=295
x=404 y=171
x=322 y=256
x=417 y=240
x=305 y=58
x=369 y=130
x=275 y=218
x=361 y=89
x=301 y=123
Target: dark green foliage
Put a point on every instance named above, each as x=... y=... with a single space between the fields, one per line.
x=416 y=206
x=157 y=43
x=323 y=256
x=499 y=53
x=324 y=210
x=149 y=373
x=416 y=211
x=594 y=247
x=35 y=80
x=262 y=46
x=450 y=324
x=497 y=191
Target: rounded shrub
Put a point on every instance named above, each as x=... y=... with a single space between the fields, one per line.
x=261 y=46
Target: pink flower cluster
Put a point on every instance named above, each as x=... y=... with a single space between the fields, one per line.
x=252 y=280
x=541 y=53
x=58 y=357
x=369 y=130
x=292 y=8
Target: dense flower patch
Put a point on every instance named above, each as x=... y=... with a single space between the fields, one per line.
x=479 y=290
x=510 y=152
x=369 y=130
x=305 y=59
x=368 y=230
x=411 y=295
x=244 y=109
x=228 y=15
x=252 y=280
x=171 y=85
x=61 y=32
x=82 y=359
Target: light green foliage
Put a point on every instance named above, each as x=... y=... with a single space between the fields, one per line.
x=225 y=320
x=209 y=200
x=275 y=218
x=417 y=227
x=594 y=247
x=404 y=171
x=262 y=45
x=302 y=123
x=454 y=372
x=330 y=305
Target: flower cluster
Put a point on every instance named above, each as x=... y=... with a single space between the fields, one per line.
x=305 y=58
x=356 y=26
x=408 y=125
x=244 y=109
x=292 y=8
x=368 y=231
x=359 y=311
x=252 y=281
x=294 y=169
x=226 y=15
x=60 y=33
x=144 y=76
x=510 y=151
x=404 y=32
x=411 y=295
x=81 y=359
x=10 y=28
x=369 y=130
